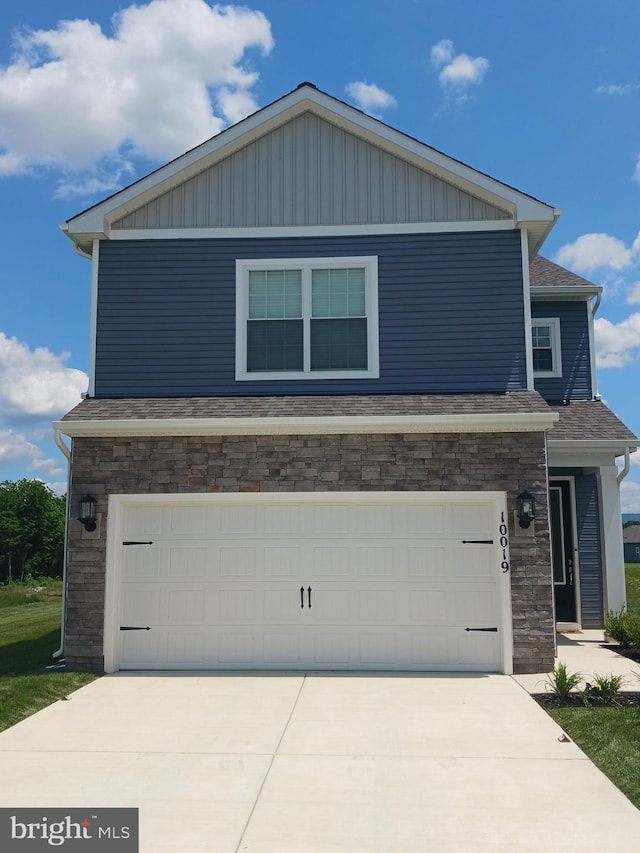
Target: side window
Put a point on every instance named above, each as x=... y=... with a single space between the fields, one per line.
x=547 y=355
x=311 y=318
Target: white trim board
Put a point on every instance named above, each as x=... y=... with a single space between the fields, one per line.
x=310 y=425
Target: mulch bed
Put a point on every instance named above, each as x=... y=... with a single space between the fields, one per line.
x=625 y=651
x=576 y=700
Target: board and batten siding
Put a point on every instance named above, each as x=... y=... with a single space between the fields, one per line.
x=575 y=382
x=451 y=315
x=309 y=172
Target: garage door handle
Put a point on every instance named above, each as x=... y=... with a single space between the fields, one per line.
x=133 y=628
x=492 y=630
x=302 y=597
x=309 y=593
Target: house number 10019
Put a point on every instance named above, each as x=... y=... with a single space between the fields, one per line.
x=504 y=541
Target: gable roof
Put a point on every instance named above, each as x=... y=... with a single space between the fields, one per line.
x=522 y=209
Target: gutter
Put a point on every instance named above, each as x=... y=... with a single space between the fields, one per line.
x=57 y=435
x=627 y=465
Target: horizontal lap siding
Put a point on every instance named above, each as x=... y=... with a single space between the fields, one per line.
x=575 y=382
x=450 y=307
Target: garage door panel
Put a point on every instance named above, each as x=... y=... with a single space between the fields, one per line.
x=430 y=607
x=281 y=561
x=374 y=561
x=237 y=561
x=140 y=561
x=426 y=520
x=427 y=560
x=471 y=520
x=392 y=585
x=475 y=605
x=187 y=562
x=473 y=561
x=187 y=521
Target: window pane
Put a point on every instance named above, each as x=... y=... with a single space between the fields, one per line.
x=541 y=336
x=542 y=359
x=275 y=294
x=274 y=345
x=338 y=293
x=339 y=344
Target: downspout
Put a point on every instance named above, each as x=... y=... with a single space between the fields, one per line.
x=592 y=347
x=627 y=465
x=57 y=435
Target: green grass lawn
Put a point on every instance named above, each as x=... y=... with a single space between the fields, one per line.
x=29 y=633
x=611 y=738
x=633 y=587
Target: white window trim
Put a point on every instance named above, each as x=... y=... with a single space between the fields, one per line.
x=556 y=352
x=244 y=266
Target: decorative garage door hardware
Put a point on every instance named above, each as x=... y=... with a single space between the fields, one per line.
x=137 y=543
x=491 y=630
x=477 y=541
x=134 y=628
x=309 y=591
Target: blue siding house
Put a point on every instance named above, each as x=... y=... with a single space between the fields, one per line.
x=329 y=370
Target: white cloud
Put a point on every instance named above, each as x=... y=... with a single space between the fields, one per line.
x=618 y=89
x=83 y=101
x=633 y=297
x=369 y=97
x=635 y=457
x=617 y=344
x=457 y=72
x=18 y=452
x=596 y=251
x=36 y=384
x=630 y=496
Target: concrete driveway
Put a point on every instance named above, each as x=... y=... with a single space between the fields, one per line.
x=290 y=764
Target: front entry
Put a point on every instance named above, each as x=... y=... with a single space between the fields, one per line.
x=563 y=551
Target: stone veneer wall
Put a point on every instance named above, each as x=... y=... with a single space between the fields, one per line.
x=507 y=462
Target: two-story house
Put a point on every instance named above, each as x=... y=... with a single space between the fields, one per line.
x=328 y=373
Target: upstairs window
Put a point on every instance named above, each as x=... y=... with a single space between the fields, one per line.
x=307 y=318
x=547 y=357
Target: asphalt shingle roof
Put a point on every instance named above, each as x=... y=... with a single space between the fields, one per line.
x=307 y=406
x=631 y=533
x=544 y=273
x=589 y=420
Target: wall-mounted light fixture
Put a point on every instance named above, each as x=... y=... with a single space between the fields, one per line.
x=526 y=509
x=87 y=514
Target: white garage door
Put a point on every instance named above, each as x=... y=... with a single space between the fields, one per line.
x=363 y=582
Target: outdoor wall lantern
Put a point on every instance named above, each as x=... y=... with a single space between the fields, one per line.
x=526 y=509
x=88 y=515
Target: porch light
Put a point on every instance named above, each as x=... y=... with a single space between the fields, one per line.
x=87 y=514
x=526 y=509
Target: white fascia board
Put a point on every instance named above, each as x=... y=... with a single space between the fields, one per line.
x=584 y=454
x=312 y=230
x=549 y=294
x=525 y=208
x=524 y=422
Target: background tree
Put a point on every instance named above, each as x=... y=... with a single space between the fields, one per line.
x=630 y=523
x=31 y=530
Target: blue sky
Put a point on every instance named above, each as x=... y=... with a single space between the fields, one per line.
x=96 y=93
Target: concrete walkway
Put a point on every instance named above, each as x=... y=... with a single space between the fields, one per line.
x=582 y=652
x=319 y=763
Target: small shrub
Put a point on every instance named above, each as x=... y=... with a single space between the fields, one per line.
x=614 y=626
x=605 y=688
x=562 y=682
x=631 y=622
